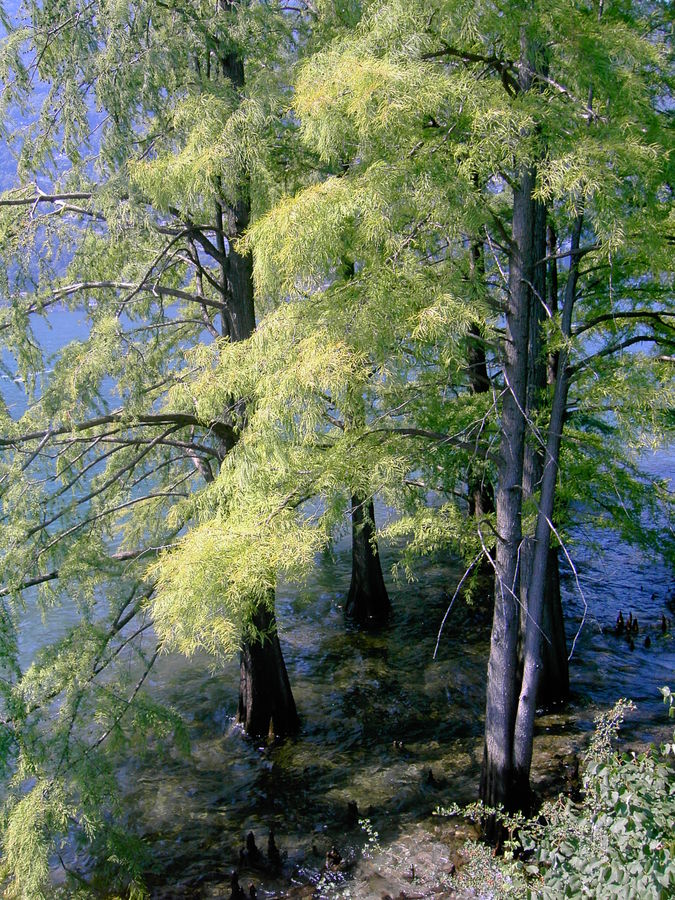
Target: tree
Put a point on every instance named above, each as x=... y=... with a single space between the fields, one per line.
x=368 y=600
x=418 y=378
x=461 y=131
x=128 y=215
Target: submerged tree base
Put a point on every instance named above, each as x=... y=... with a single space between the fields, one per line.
x=368 y=602
x=266 y=704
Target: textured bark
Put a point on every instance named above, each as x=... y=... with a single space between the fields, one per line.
x=554 y=684
x=555 y=681
x=241 y=311
x=368 y=601
x=266 y=704
x=497 y=775
x=237 y=268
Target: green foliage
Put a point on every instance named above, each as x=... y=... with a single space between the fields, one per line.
x=616 y=842
x=157 y=469
x=150 y=135
x=620 y=841
x=669 y=700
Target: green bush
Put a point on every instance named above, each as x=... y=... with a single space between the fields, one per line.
x=618 y=841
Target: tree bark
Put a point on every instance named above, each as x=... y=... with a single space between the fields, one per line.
x=368 y=601
x=497 y=774
x=554 y=686
x=266 y=705
x=524 y=725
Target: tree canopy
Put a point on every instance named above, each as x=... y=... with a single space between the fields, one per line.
x=320 y=253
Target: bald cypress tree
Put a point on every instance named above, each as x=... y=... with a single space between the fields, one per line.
x=462 y=131
x=150 y=136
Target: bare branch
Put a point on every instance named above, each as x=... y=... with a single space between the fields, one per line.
x=225 y=432
x=632 y=314
x=45 y=198
x=615 y=348
x=30 y=582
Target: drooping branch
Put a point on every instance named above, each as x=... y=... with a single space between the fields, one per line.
x=114 y=476
x=224 y=431
x=441 y=438
x=30 y=582
x=40 y=197
x=149 y=287
x=617 y=347
x=115 y=509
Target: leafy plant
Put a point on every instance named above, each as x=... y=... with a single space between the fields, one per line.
x=618 y=841
x=669 y=700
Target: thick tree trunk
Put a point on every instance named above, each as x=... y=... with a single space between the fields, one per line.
x=497 y=775
x=368 y=601
x=266 y=704
x=555 y=683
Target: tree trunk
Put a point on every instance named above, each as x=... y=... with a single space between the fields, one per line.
x=266 y=704
x=524 y=725
x=368 y=601
x=555 y=683
x=497 y=774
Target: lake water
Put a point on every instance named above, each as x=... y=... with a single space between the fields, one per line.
x=379 y=714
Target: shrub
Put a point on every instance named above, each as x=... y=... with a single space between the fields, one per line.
x=618 y=841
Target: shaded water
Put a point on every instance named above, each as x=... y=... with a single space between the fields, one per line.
x=384 y=725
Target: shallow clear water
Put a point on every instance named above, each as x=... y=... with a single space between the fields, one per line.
x=379 y=714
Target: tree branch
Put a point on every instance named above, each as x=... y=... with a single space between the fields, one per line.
x=225 y=432
x=614 y=348
x=632 y=314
